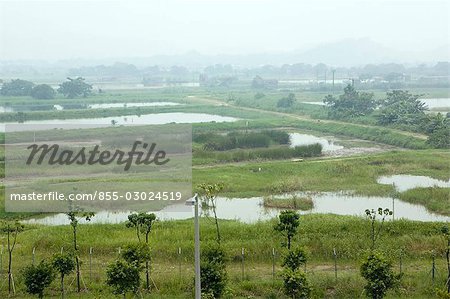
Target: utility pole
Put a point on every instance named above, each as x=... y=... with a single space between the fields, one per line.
x=333 y=71
x=198 y=288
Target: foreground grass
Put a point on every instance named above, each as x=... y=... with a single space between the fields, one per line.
x=173 y=273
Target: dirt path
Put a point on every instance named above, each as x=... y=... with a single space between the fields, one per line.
x=218 y=102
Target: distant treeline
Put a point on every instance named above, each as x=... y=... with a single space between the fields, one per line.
x=233 y=140
x=120 y=69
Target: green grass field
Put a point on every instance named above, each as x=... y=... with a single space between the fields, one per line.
x=319 y=234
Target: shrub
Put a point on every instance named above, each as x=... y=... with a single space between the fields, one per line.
x=43 y=91
x=17 y=88
x=213 y=274
x=136 y=254
x=37 y=278
x=294 y=259
x=64 y=264
x=288 y=226
x=122 y=277
x=296 y=284
x=377 y=270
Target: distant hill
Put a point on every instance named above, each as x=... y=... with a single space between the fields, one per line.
x=346 y=53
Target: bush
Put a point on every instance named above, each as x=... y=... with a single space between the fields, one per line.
x=233 y=140
x=286 y=102
x=43 y=91
x=37 y=278
x=294 y=259
x=136 y=254
x=440 y=138
x=377 y=270
x=75 y=87
x=296 y=284
x=213 y=274
x=17 y=88
x=64 y=264
x=123 y=277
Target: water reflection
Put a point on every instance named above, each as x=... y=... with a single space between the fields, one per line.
x=130 y=120
x=404 y=182
x=25 y=108
x=250 y=210
x=436 y=103
x=130 y=105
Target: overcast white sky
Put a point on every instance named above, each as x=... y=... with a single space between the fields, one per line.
x=94 y=29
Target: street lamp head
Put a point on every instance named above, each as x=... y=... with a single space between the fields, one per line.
x=191 y=201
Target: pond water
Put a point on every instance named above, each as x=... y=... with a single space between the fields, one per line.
x=314 y=103
x=437 y=102
x=404 y=182
x=130 y=120
x=129 y=105
x=297 y=139
x=4 y=109
x=250 y=210
x=23 y=108
x=312 y=81
x=431 y=103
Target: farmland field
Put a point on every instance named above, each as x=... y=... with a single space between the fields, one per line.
x=365 y=153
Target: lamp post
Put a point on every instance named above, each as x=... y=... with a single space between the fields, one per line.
x=198 y=289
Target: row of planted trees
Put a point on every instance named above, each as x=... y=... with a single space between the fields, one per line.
x=124 y=274
x=376 y=268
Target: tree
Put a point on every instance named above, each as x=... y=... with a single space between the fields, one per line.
x=296 y=284
x=43 y=91
x=74 y=218
x=123 y=277
x=294 y=259
x=372 y=216
x=446 y=233
x=288 y=225
x=136 y=254
x=350 y=104
x=213 y=274
x=286 y=102
x=124 y=274
x=142 y=223
x=12 y=231
x=208 y=193
x=75 y=87
x=258 y=82
x=440 y=138
x=259 y=95
x=401 y=107
x=435 y=122
x=17 y=88
x=37 y=278
x=64 y=264
x=377 y=270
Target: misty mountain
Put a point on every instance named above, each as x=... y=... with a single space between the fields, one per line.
x=346 y=53
x=343 y=53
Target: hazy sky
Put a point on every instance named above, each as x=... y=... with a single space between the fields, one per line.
x=96 y=29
